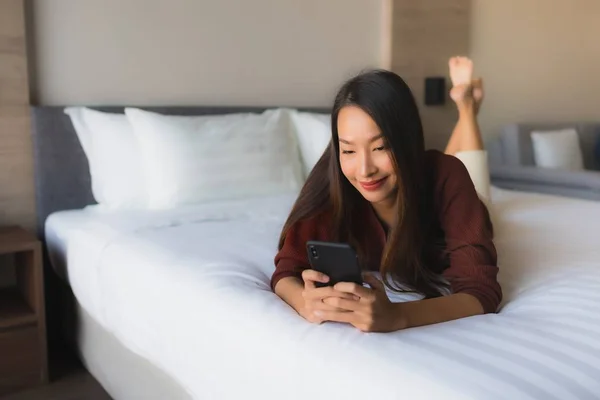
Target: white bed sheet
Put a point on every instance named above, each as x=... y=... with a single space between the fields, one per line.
x=189 y=290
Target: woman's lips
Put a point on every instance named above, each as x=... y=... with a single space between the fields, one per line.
x=373 y=185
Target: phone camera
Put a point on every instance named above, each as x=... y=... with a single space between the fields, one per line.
x=314 y=253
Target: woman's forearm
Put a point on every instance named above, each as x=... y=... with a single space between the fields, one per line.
x=290 y=290
x=439 y=309
x=408 y=314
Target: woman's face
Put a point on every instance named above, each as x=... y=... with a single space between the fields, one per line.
x=365 y=159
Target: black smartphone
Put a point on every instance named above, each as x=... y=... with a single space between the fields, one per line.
x=336 y=260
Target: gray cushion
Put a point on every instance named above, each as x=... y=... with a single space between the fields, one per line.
x=512 y=164
x=517 y=147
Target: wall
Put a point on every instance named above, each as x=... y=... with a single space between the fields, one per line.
x=175 y=52
x=234 y=52
x=226 y=52
x=425 y=33
x=16 y=169
x=539 y=58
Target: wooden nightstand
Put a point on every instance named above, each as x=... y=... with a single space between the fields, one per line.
x=23 y=352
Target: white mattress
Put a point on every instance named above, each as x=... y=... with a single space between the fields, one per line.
x=189 y=290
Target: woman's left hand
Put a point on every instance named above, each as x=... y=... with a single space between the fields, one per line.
x=372 y=312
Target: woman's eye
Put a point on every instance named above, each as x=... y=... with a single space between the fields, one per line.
x=380 y=148
x=347 y=151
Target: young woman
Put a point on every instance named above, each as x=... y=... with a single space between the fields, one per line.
x=413 y=215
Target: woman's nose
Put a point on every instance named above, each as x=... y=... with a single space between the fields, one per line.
x=367 y=166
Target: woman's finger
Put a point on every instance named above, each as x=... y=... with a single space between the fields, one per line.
x=314 y=276
x=353 y=288
x=309 y=285
x=323 y=305
x=374 y=282
x=324 y=292
x=341 y=304
x=336 y=316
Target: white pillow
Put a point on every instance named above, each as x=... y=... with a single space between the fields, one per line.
x=194 y=159
x=313 y=132
x=557 y=149
x=113 y=156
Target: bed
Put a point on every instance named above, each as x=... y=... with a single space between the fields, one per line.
x=176 y=304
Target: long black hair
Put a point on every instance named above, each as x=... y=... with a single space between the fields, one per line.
x=387 y=99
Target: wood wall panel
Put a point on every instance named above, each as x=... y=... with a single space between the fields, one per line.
x=16 y=156
x=13 y=78
x=425 y=33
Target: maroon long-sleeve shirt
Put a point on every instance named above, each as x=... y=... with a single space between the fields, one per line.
x=467 y=259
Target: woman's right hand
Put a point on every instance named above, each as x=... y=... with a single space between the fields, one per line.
x=314 y=296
